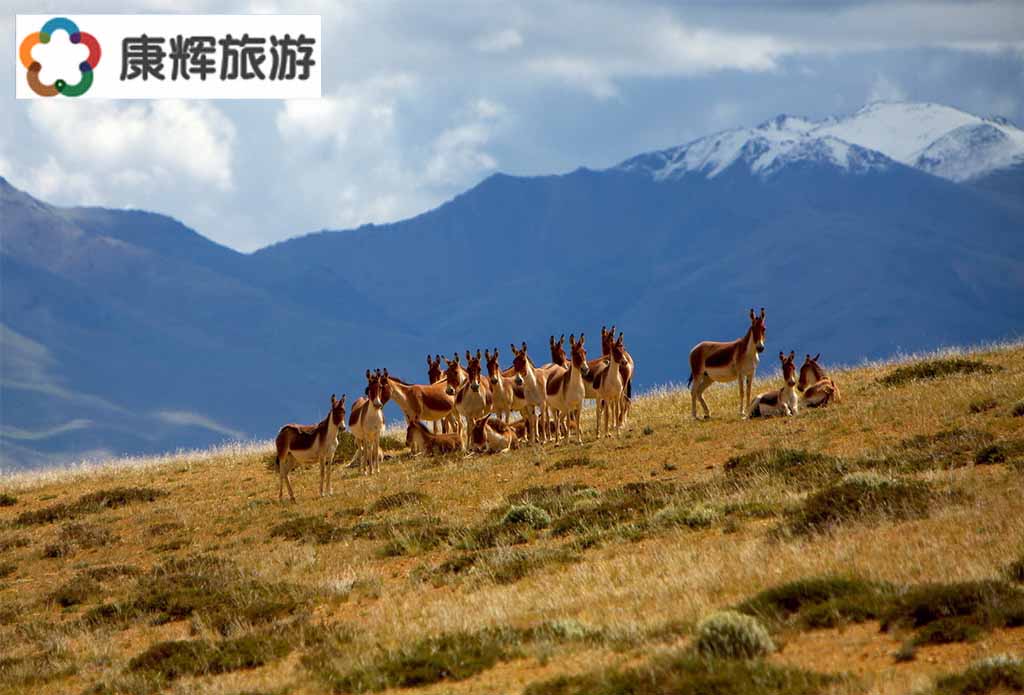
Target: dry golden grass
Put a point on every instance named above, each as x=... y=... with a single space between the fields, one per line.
x=358 y=578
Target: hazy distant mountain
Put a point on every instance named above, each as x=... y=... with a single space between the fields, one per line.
x=125 y=331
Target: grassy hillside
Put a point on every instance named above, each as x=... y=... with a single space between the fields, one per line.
x=878 y=543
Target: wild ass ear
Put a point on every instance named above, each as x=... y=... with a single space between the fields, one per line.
x=762 y=312
x=368 y=375
x=751 y=314
x=807 y=358
x=487 y=355
x=429 y=363
x=572 y=340
x=551 y=341
x=561 y=339
x=342 y=401
x=456 y=360
x=582 y=339
x=511 y=345
x=334 y=403
x=478 y=354
x=524 y=346
x=792 y=355
x=817 y=357
x=782 y=355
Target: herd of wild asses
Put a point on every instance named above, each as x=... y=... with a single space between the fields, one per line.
x=471 y=413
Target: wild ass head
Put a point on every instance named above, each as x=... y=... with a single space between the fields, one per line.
x=434 y=372
x=374 y=388
x=757 y=329
x=607 y=339
x=338 y=411
x=788 y=368
x=520 y=363
x=579 y=354
x=493 y=368
x=810 y=372
x=558 y=350
x=451 y=375
x=618 y=349
x=473 y=370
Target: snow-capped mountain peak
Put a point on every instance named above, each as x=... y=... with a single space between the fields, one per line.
x=941 y=140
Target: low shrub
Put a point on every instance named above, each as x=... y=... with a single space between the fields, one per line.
x=397 y=500
x=7 y=569
x=982 y=405
x=804 y=469
x=7 y=500
x=732 y=635
x=310 y=529
x=995 y=674
x=581 y=461
x=859 y=497
x=819 y=601
x=1000 y=452
x=178 y=658
x=75 y=591
x=684 y=672
x=1018 y=409
x=695 y=516
x=528 y=514
x=942 y=613
x=934 y=369
x=11 y=542
x=90 y=503
x=74 y=537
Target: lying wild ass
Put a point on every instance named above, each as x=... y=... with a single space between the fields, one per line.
x=420 y=439
x=566 y=391
x=816 y=387
x=711 y=362
x=367 y=421
x=308 y=443
x=492 y=435
x=780 y=401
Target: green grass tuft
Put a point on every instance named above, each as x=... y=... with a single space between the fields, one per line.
x=934 y=369
x=1018 y=409
x=7 y=500
x=74 y=537
x=982 y=405
x=528 y=514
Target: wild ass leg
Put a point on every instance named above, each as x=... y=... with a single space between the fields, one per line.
x=287 y=467
x=702 y=386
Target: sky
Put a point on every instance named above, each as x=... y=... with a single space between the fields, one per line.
x=423 y=100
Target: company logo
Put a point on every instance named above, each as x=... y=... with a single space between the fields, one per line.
x=34 y=68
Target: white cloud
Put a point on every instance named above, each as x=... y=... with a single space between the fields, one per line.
x=499 y=41
x=184 y=418
x=884 y=89
x=167 y=139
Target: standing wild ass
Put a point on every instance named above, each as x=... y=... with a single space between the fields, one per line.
x=712 y=361
x=816 y=387
x=780 y=401
x=610 y=387
x=473 y=399
x=566 y=391
x=429 y=402
x=534 y=384
x=306 y=443
x=367 y=421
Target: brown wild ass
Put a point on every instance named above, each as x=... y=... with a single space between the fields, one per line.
x=780 y=401
x=713 y=361
x=534 y=384
x=492 y=435
x=507 y=397
x=366 y=423
x=566 y=391
x=610 y=388
x=473 y=399
x=307 y=443
x=817 y=389
x=429 y=402
x=627 y=370
x=420 y=439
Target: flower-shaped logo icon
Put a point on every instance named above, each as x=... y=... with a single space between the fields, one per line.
x=34 y=68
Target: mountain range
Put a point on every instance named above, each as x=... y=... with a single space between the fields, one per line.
x=896 y=228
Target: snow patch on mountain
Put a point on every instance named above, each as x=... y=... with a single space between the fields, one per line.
x=941 y=140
